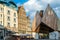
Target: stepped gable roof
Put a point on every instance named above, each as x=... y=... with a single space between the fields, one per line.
x=50 y=9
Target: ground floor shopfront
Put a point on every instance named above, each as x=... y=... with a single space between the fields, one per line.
x=42 y=31
x=4 y=32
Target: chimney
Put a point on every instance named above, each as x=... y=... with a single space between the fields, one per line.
x=41 y=13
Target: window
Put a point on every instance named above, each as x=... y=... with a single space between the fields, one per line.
x=1 y=15
x=1 y=9
x=8 y=12
x=14 y=25
x=14 y=19
x=50 y=12
x=14 y=14
x=8 y=18
x=8 y=24
x=0 y=22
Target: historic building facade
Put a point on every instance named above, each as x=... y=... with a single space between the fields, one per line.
x=23 y=20
x=8 y=15
x=59 y=25
x=48 y=17
x=45 y=21
x=28 y=26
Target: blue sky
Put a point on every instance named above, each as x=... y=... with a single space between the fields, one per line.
x=32 y=6
x=20 y=2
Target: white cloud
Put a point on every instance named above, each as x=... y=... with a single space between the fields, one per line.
x=27 y=10
x=33 y=5
x=47 y=1
x=51 y=1
x=18 y=4
x=57 y=10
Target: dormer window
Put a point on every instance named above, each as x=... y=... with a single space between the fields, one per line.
x=50 y=13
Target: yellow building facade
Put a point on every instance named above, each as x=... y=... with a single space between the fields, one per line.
x=29 y=30
x=23 y=21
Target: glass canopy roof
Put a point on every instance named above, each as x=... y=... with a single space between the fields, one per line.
x=9 y=3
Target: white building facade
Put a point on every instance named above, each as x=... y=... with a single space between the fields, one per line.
x=8 y=16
